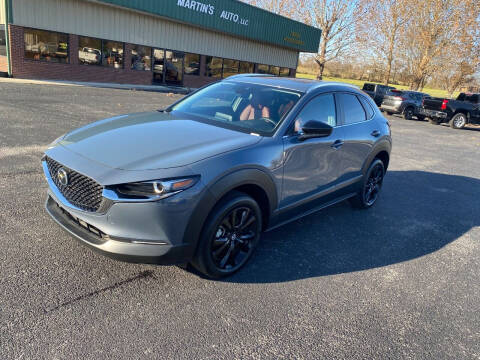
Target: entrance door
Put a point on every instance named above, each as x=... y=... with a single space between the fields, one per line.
x=158 y=65
x=174 y=68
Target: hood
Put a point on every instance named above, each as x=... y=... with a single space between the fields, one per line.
x=149 y=141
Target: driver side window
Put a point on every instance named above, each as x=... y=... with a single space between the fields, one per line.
x=320 y=108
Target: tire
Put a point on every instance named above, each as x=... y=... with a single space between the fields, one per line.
x=371 y=186
x=420 y=117
x=224 y=248
x=458 y=121
x=433 y=121
x=389 y=113
x=408 y=113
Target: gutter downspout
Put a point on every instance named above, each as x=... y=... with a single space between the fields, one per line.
x=7 y=36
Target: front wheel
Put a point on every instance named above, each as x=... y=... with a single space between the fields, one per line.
x=420 y=117
x=229 y=237
x=458 y=121
x=371 y=186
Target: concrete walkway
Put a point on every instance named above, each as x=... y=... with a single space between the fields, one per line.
x=154 y=88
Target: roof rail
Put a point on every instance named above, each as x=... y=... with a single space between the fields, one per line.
x=250 y=75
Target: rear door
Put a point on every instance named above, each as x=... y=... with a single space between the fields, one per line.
x=360 y=131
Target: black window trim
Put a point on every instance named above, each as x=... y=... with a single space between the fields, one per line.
x=343 y=114
x=68 y=62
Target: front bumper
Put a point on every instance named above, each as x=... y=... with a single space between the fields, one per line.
x=142 y=232
x=129 y=250
x=433 y=113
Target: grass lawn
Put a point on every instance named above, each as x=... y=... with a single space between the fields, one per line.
x=359 y=83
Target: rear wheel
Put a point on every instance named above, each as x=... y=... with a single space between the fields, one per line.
x=458 y=121
x=371 y=186
x=420 y=117
x=229 y=237
x=389 y=113
x=408 y=113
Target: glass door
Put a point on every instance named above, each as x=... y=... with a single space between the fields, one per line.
x=174 y=68
x=158 y=65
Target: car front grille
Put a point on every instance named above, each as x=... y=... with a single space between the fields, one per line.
x=81 y=191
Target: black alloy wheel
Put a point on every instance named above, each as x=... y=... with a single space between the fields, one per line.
x=408 y=113
x=371 y=186
x=232 y=243
x=230 y=236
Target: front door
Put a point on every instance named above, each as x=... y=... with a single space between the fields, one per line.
x=313 y=165
x=158 y=65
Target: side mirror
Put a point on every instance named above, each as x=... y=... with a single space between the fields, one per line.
x=315 y=129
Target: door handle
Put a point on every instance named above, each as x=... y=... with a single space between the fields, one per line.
x=375 y=133
x=337 y=144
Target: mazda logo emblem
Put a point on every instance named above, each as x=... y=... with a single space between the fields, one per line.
x=62 y=177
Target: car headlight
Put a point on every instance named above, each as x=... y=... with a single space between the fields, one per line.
x=155 y=189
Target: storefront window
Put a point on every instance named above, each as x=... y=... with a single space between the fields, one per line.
x=214 y=67
x=263 y=69
x=112 y=53
x=274 y=70
x=192 y=64
x=230 y=67
x=141 y=58
x=245 y=67
x=3 y=50
x=89 y=51
x=46 y=46
x=284 y=72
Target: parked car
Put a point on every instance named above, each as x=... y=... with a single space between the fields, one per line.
x=407 y=103
x=376 y=91
x=458 y=113
x=198 y=182
x=88 y=55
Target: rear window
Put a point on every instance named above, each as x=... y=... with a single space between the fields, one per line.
x=395 y=92
x=473 y=98
x=369 y=87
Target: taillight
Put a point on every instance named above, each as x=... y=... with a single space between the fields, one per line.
x=400 y=98
x=444 y=104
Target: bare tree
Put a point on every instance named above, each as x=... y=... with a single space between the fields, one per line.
x=379 y=28
x=288 y=8
x=335 y=18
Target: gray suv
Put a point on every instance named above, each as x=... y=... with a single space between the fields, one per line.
x=198 y=182
x=407 y=103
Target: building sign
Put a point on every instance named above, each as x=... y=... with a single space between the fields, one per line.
x=209 y=9
x=231 y=17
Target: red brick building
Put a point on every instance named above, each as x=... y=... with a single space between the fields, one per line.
x=170 y=42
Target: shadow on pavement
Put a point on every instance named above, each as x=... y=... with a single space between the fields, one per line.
x=417 y=214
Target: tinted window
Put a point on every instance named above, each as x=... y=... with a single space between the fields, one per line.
x=112 y=52
x=246 y=67
x=3 y=50
x=368 y=108
x=89 y=51
x=46 y=45
x=473 y=98
x=321 y=108
x=214 y=67
x=192 y=64
x=263 y=69
x=284 y=72
x=369 y=87
x=247 y=107
x=230 y=67
x=141 y=58
x=352 y=109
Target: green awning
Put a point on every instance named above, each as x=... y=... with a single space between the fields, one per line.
x=231 y=17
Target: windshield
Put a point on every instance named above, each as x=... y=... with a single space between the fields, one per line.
x=245 y=107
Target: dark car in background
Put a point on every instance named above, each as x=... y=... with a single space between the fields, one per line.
x=457 y=113
x=198 y=182
x=376 y=91
x=405 y=102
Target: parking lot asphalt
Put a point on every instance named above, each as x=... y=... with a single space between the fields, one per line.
x=401 y=280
